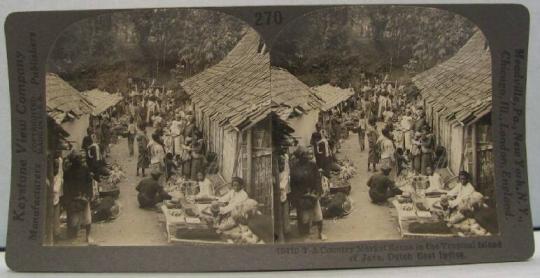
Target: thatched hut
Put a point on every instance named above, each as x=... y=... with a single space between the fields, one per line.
x=458 y=100
x=234 y=102
x=333 y=98
x=67 y=107
x=102 y=101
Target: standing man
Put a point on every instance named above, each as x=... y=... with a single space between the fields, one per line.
x=407 y=125
x=306 y=189
x=387 y=148
x=427 y=151
x=78 y=194
x=374 y=151
x=132 y=132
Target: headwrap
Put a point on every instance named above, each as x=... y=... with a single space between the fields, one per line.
x=156 y=173
x=238 y=180
x=301 y=152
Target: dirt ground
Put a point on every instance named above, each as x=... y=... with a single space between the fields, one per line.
x=134 y=226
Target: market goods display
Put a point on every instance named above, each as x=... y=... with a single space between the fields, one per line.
x=242 y=235
x=108 y=188
x=469 y=227
x=340 y=181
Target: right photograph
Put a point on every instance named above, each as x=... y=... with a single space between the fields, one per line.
x=396 y=142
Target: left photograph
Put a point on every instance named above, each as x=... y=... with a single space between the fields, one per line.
x=159 y=131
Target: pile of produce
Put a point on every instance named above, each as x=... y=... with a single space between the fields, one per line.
x=242 y=235
x=116 y=175
x=404 y=198
x=174 y=183
x=340 y=181
x=469 y=227
x=347 y=170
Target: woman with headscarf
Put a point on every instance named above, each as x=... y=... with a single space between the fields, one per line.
x=306 y=189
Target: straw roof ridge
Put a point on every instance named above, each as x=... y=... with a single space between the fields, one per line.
x=101 y=100
x=460 y=87
x=237 y=90
x=62 y=99
x=332 y=95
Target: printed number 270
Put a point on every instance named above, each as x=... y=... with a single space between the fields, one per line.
x=268 y=18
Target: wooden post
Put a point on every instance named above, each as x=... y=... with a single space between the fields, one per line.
x=474 y=158
x=249 y=158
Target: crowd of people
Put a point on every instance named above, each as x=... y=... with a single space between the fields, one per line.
x=168 y=141
x=177 y=148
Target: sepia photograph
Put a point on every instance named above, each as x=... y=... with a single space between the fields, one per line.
x=150 y=116
x=183 y=126
x=398 y=143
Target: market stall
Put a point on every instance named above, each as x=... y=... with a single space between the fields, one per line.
x=423 y=213
x=105 y=103
x=190 y=217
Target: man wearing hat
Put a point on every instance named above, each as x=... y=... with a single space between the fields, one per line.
x=381 y=187
x=150 y=191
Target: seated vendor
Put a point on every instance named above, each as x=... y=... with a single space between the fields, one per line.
x=247 y=225
x=461 y=190
x=260 y=225
x=150 y=191
x=206 y=189
x=381 y=187
x=434 y=180
x=476 y=208
x=234 y=197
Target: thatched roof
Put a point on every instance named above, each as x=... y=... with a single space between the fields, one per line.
x=460 y=88
x=289 y=92
x=101 y=100
x=332 y=96
x=236 y=91
x=64 y=101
